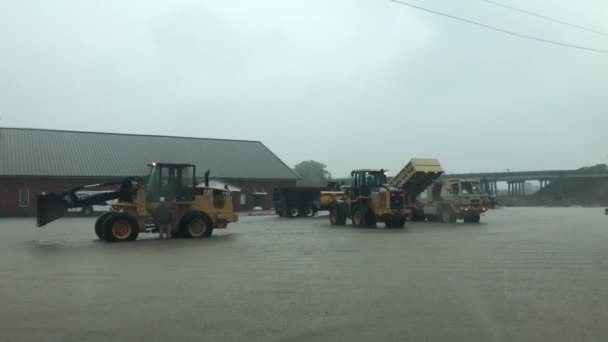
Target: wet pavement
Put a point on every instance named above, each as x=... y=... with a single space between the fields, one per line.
x=523 y=274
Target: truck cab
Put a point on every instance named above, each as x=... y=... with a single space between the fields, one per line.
x=453 y=199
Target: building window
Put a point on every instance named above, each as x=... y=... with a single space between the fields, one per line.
x=243 y=199
x=24 y=198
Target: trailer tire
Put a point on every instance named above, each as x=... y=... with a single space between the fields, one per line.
x=337 y=217
x=293 y=212
x=99 y=224
x=309 y=212
x=119 y=227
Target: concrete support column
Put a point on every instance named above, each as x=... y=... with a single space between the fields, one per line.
x=523 y=188
x=509 y=189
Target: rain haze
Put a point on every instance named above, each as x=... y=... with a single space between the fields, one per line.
x=322 y=80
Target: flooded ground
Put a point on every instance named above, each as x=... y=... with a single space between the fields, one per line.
x=523 y=274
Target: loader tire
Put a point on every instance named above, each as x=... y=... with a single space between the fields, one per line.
x=363 y=217
x=369 y=219
x=337 y=217
x=395 y=223
x=196 y=226
x=99 y=224
x=358 y=217
x=119 y=227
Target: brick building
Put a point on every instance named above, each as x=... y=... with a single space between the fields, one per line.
x=36 y=160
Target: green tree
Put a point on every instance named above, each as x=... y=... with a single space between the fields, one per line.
x=313 y=173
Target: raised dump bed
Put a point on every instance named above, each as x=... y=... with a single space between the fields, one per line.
x=416 y=176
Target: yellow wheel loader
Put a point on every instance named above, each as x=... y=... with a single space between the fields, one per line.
x=198 y=210
x=370 y=200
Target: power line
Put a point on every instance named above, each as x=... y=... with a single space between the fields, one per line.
x=544 y=17
x=501 y=30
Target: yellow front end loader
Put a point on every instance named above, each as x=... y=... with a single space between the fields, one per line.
x=198 y=210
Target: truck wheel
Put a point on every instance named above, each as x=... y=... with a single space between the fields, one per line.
x=309 y=212
x=87 y=211
x=475 y=219
x=119 y=227
x=447 y=216
x=336 y=216
x=99 y=224
x=196 y=226
x=293 y=212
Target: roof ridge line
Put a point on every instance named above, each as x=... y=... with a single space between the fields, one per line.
x=298 y=177
x=127 y=134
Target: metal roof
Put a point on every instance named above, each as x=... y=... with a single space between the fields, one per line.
x=39 y=152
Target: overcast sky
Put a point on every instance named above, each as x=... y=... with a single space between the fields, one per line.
x=359 y=83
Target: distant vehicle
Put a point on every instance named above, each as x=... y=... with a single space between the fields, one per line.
x=91 y=210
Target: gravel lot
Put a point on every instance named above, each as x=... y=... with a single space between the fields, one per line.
x=523 y=274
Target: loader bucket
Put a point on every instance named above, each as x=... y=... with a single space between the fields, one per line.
x=49 y=208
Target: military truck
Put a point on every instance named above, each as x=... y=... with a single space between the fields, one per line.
x=452 y=199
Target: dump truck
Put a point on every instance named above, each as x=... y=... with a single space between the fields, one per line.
x=414 y=178
x=296 y=201
x=370 y=200
x=452 y=199
x=135 y=202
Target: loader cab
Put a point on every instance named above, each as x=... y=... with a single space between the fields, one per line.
x=365 y=182
x=171 y=181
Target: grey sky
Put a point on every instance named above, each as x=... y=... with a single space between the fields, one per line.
x=360 y=83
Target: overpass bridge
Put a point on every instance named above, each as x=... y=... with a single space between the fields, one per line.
x=516 y=180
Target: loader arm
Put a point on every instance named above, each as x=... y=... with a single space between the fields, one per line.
x=51 y=206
